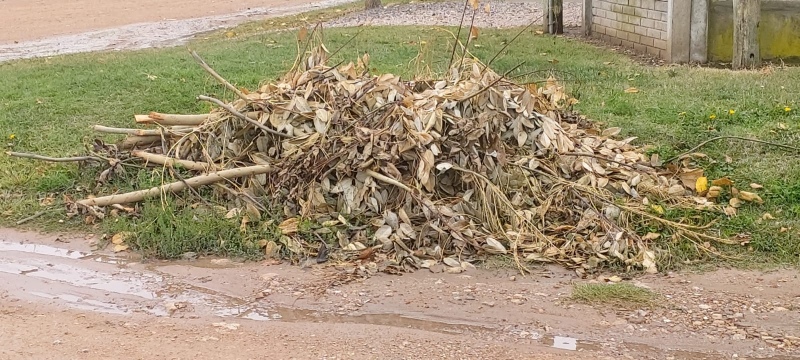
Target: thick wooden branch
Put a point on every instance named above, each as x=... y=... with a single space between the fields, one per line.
x=171 y=119
x=171 y=162
x=177 y=186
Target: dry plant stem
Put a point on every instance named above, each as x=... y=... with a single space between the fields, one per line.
x=170 y=162
x=388 y=180
x=509 y=43
x=219 y=78
x=458 y=34
x=171 y=119
x=32 y=217
x=244 y=195
x=52 y=159
x=704 y=143
x=469 y=37
x=244 y=117
x=494 y=82
x=193 y=190
x=178 y=186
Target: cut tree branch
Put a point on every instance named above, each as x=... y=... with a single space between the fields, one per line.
x=178 y=186
x=169 y=161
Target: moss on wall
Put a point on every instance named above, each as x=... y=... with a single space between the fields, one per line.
x=779 y=30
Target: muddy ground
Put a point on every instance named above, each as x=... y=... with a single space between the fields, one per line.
x=60 y=297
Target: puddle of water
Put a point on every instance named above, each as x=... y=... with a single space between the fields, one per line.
x=84 y=304
x=393 y=320
x=80 y=277
x=41 y=250
x=16 y=269
x=568 y=343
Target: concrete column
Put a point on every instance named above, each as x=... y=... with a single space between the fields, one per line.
x=699 y=38
x=679 y=38
x=587 y=17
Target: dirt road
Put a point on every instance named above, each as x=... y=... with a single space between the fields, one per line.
x=58 y=297
x=40 y=28
x=24 y=20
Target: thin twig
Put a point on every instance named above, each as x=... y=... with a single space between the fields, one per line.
x=32 y=217
x=244 y=117
x=191 y=189
x=52 y=159
x=219 y=78
x=346 y=43
x=458 y=34
x=637 y=167
x=388 y=180
x=494 y=82
x=704 y=143
x=469 y=38
x=509 y=43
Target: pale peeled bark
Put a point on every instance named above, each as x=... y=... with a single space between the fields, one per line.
x=177 y=186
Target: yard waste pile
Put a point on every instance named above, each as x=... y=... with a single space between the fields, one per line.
x=419 y=172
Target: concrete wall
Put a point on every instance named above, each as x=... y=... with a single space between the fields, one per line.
x=779 y=30
x=637 y=24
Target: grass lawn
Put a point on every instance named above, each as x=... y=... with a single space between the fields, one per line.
x=48 y=105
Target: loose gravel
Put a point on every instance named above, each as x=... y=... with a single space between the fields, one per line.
x=502 y=14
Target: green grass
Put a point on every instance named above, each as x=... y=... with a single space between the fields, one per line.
x=49 y=104
x=619 y=294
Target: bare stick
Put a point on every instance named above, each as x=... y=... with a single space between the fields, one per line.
x=32 y=217
x=52 y=159
x=704 y=143
x=509 y=43
x=219 y=78
x=494 y=82
x=469 y=38
x=194 y=182
x=133 y=141
x=168 y=161
x=388 y=180
x=123 y=131
x=244 y=117
x=458 y=34
x=171 y=119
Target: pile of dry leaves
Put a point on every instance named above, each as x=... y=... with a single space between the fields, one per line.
x=433 y=171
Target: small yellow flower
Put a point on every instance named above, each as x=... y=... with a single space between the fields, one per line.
x=731 y=112
x=787 y=109
x=712 y=116
x=12 y=137
x=682 y=113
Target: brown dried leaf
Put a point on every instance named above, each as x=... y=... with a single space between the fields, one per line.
x=750 y=197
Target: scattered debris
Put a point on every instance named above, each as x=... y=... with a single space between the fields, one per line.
x=410 y=173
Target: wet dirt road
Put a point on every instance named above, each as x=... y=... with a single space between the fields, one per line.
x=57 y=298
x=38 y=28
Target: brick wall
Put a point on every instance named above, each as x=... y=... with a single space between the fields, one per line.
x=637 y=24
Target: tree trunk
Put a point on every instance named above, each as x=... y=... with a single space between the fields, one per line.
x=746 y=16
x=555 y=16
x=372 y=4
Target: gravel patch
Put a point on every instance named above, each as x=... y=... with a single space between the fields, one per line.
x=502 y=14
